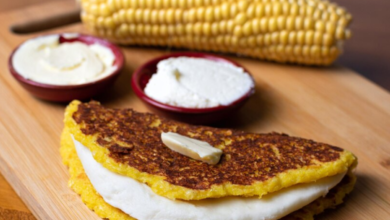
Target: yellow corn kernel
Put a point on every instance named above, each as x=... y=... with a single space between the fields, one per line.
x=182 y=4
x=272 y=25
x=290 y=23
x=281 y=22
x=217 y=13
x=208 y=15
x=276 y=9
x=155 y=30
x=178 y=16
x=132 y=3
x=327 y=40
x=292 y=36
x=233 y=10
x=138 y=15
x=264 y=25
x=286 y=8
x=242 y=5
x=100 y=22
x=250 y=11
x=317 y=14
x=222 y=27
x=174 y=4
x=104 y=10
x=179 y=29
x=315 y=51
x=161 y=16
x=93 y=9
x=300 y=37
x=247 y=29
x=109 y=23
x=148 y=29
x=154 y=19
x=149 y=3
x=240 y=19
x=340 y=33
x=256 y=26
x=191 y=15
x=309 y=37
x=170 y=16
x=206 y=29
x=305 y=50
x=200 y=12
x=124 y=30
x=294 y=9
x=317 y=38
x=237 y=31
x=308 y=24
x=259 y=40
x=283 y=37
x=214 y=28
x=225 y=10
x=268 y=9
x=129 y=15
x=230 y=26
x=132 y=29
x=275 y=38
x=157 y=4
x=251 y=41
x=298 y=23
x=259 y=11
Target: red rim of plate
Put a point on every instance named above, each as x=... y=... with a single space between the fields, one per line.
x=139 y=91
x=87 y=39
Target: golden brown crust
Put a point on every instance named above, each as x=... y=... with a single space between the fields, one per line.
x=80 y=183
x=134 y=139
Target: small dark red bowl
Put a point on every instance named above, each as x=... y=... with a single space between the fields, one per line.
x=190 y=115
x=65 y=93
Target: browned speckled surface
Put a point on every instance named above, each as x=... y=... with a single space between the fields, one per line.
x=133 y=140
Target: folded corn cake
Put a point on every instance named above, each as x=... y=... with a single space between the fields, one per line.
x=121 y=169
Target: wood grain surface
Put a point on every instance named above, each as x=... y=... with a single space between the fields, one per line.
x=333 y=105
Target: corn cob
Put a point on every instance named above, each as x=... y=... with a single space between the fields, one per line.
x=295 y=31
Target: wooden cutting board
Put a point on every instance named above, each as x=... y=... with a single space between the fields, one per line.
x=332 y=105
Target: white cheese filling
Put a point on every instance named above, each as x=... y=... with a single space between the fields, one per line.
x=197 y=83
x=45 y=60
x=139 y=201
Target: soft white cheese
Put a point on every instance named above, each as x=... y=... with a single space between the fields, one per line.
x=190 y=147
x=139 y=201
x=45 y=60
x=197 y=83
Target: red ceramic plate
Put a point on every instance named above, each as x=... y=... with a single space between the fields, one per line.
x=65 y=93
x=191 y=115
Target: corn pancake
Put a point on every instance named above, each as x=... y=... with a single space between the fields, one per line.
x=128 y=143
x=80 y=183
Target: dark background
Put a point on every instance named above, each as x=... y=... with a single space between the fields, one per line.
x=368 y=51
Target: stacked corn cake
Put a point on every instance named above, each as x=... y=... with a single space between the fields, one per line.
x=128 y=144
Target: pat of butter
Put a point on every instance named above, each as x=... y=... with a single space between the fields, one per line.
x=196 y=149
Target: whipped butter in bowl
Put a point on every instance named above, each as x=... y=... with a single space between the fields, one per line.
x=63 y=67
x=193 y=87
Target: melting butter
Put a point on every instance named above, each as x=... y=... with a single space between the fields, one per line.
x=196 y=149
